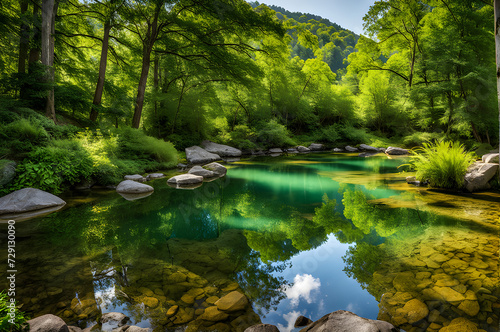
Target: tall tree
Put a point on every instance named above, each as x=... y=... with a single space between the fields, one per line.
x=49 y=10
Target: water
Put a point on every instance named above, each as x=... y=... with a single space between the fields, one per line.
x=303 y=235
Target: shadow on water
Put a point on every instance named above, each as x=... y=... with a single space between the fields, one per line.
x=427 y=257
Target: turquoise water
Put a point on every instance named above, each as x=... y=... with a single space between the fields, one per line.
x=306 y=234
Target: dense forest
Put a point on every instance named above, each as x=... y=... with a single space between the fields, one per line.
x=102 y=88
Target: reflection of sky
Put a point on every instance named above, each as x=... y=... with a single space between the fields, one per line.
x=320 y=286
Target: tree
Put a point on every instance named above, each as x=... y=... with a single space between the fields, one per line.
x=49 y=10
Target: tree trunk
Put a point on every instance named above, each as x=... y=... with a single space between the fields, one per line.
x=35 y=49
x=49 y=9
x=23 y=40
x=497 y=43
x=102 y=73
x=156 y=85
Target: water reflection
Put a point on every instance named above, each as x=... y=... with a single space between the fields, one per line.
x=295 y=236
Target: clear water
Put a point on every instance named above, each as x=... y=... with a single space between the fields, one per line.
x=301 y=235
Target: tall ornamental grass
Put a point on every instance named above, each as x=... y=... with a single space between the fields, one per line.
x=442 y=164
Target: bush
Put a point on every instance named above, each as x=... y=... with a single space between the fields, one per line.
x=418 y=138
x=442 y=164
x=134 y=144
x=19 y=320
x=272 y=134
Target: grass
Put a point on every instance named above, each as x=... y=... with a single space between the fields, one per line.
x=442 y=164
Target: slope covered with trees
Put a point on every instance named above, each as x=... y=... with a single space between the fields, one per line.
x=237 y=73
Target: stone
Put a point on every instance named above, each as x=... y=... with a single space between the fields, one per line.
x=216 y=168
x=47 y=323
x=337 y=150
x=112 y=320
x=154 y=176
x=460 y=325
x=479 y=176
x=151 y=302
x=200 y=171
x=198 y=155
x=29 y=199
x=135 y=177
x=346 y=321
x=172 y=310
x=411 y=179
x=396 y=151
x=471 y=308
x=74 y=329
x=302 y=321
x=262 y=328
x=415 y=310
x=133 y=187
x=275 y=150
x=7 y=171
x=448 y=294
x=185 y=179
x=490 y=158
x=220 y=149
x=212 y=299
x=404 y=281
x=368 y=148
x=316 y=147
x=231 y=302
x=292 y=151
x=351 y=149
x=303 y=149
x=213 y=314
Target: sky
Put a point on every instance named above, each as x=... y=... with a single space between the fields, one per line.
x=346 y=13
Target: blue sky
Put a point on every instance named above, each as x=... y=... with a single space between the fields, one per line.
x=348 y=14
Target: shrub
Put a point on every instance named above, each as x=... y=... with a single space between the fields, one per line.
x=442 y=164
x=418 y=138
x=19 y=320
x=272 y=134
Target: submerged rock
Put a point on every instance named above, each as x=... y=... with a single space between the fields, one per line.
x=234 y=301
x=346 y=321
x=197 y=155
x=28 y=199
x=133 y=187
x=221 y=149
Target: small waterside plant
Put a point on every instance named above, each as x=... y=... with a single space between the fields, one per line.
x=11 y=318
x=442 y=164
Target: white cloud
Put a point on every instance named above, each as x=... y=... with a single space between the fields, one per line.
x=303 y=286
x=290 y=318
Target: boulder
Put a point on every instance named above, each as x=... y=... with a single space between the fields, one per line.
x=213 y=314
x=302 y=321
x=346 y=321
x=135 y=177
x=303 y=149
x=154 y=176
x=74 y=329
x=479 y=176
x=29 y=199
x=185 y=179
x=351 y=149
x=47 y=323
x=221 y=149
x=7 y=171
x=275 y=150
x=460 y=324
x=337 y=150
x=112 y=320
x=292 y=150
x=216 y=168
x=234 y=301
x=200 y=171
x=368 y=148
x=262 y=328
x=316 y=147
x=133 y=187
x=197 y=155
x=490 y=158
x=396 y=151
x=415 y=310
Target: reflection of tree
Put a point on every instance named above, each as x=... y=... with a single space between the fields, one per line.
x=362 y=260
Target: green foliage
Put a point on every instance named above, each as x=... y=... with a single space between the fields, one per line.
x=443 y=164
x=273 y=134
x=418 y=138
x=19 y=320
x=134 y=144
x=362 y=260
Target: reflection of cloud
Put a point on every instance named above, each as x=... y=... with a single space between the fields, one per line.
x=303 y=285
x=290 y=318
x=351 y=307
x=321 y=306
